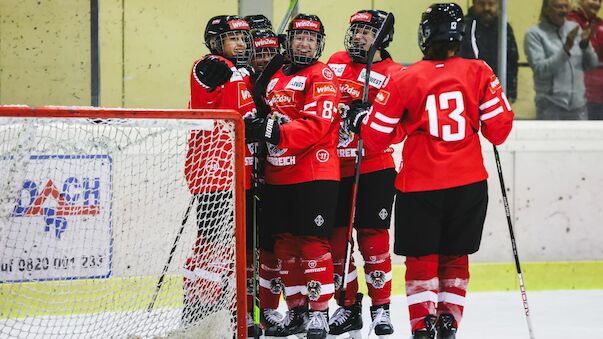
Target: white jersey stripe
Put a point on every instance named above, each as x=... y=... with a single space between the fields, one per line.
x=489 y=104
x=492 y=114
x=386 y=119
x=381 y=128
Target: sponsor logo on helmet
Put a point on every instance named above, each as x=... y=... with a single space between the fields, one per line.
x=494 y=84
x=265 y=42
x=324 y=88
x=306 y=24
x=276 y=285
x=314 y=288
x=382 y=97
x=322 y=155
x=281 y=98
x=350 y=89
x=363 y=17
x=377 y=279
x=245 y=97
x=327 y=73
x=238 y=24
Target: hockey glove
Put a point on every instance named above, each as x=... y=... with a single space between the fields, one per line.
x=262 y=129
x=212 y=72
x=357 y=112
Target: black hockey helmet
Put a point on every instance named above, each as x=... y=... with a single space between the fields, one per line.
x=361 y=23
x=258 y=21
x=222 y=27
x=266 y=46
x=305 y=25
x=441 y=22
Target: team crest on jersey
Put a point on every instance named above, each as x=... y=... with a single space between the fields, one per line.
x=327 y=73
x=298 y=83
x=376 y=79
x=382 y=97
x=337 y=281
x=494 y=84
x=338 y=68
x=323 y=88
x=282 y=98
x=377 y=279
x=351 y=89
x=244 y=95
x=314 y=288
x=276 y=285
x=271 y=84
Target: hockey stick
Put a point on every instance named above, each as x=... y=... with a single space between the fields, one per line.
x=386 y=27
x=258 y=93
x=522 y=288
x=167 y=264
x=292 y=5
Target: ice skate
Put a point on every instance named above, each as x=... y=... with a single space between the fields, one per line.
x=382 y=323
x=318 y=325
x=347 y=320
x=446 y=328
x=429 y=331
x=270 y=317
x=294 y=323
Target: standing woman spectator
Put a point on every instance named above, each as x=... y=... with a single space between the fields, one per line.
x=585 y=15
x=559 y=52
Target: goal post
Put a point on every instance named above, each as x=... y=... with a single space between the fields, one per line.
x=122 y=223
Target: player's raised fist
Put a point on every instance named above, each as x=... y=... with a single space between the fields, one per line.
x=212 y=72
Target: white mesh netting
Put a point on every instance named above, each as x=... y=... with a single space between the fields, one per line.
x=89 y=213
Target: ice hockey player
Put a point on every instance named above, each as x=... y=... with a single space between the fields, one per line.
x=376 y=191
x=302 y=176
x=218 y=80
x=441 y=102
x=266 y=46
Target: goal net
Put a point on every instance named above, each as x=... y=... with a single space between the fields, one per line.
x=121 y=223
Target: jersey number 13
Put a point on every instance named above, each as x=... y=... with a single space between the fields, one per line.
x=435 y=105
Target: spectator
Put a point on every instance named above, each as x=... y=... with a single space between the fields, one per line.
x=559 y=52
x=481 y=41
x=585 y=15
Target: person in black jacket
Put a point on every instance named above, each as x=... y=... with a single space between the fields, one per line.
x=481 y=41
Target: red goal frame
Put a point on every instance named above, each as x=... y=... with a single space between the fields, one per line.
x=76 y=112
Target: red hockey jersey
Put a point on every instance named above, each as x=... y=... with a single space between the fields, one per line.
x=441 y=105
x=305 y=104
x=206 y=167
x=351 y=84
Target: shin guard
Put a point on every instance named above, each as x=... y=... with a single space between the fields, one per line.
x=454 y=278
x=271 y=286
x=422 y=287
x=338 y=242
x=317 y=265
x=374 y=246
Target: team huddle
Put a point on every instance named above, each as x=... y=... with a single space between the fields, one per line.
x=302 y=141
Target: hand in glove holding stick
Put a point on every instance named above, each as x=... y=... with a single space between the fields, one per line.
x=356 y=114
x=262 y=129
x=212 y=72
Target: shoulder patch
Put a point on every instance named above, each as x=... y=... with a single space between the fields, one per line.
x=376 y=79
x=382 y=97
x=244 y=94
x=494 y=84
x=298 y=83
x=338 y=68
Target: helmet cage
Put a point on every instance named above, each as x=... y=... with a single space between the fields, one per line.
x=240 y=58
x=358 y=39
x=262 y=57
x=301 y=59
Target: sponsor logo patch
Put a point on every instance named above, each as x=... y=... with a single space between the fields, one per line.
x=338 y=68
x=376 y=79
x=324 y=88
x=382 y=97
x=351 y=89
x=298 y=83
x=265 y=42
x=322 y=155
x=271 y=84
x=282 y=98
x=244 y=95
x=494 y=84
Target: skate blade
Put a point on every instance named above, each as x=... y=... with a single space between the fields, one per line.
x=348 y=335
